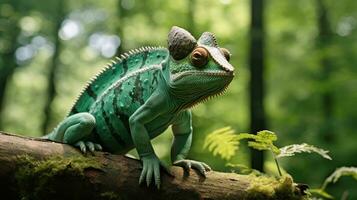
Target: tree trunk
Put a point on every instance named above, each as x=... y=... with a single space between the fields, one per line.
x=324 y=40
x=10 y=32
x=121 y=12
x=39 y=169
x=256 y=62
x=6 y=72
x=191 y=8
x=55 y=62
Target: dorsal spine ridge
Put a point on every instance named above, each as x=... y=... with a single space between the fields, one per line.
x=109 y=65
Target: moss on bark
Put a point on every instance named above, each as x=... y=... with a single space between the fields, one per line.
x=263 y=187
x=37 y=179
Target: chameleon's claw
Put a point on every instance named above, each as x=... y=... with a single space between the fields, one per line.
x=149 y=175
x=207 y=167
x=192 y=164
x=98 y=147
x=81 y=146
x=142 y=175
x=151 y=171
x=88 y=145
x=199 y=167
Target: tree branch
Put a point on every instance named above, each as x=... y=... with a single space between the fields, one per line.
x=39 y=169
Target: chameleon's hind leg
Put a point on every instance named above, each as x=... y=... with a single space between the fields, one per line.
x=76 y=130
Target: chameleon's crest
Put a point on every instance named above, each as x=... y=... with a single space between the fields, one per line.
x=209 y=42
x=208 y=39
x=180 y=43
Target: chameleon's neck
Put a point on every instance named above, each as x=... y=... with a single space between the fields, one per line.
x=180 y=96
x=176 y=98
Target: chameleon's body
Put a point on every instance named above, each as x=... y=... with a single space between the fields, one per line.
x=138 y=96
x=117 y=93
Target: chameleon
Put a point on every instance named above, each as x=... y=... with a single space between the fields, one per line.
x=143 y=92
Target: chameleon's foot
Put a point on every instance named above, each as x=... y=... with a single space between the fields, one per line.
x=188 y=164
x=84 y=146
x=151 y=170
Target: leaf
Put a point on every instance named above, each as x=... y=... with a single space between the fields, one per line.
x=291 y=150
x=342 y=171
x=321 y=193
x=266 y=136
x=264 y=141
x=223 y=142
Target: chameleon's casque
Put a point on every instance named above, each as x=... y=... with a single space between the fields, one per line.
x=142 y=93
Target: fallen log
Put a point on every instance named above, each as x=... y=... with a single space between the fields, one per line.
x=32 y=168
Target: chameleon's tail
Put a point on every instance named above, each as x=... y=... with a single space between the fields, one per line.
x=53 y=132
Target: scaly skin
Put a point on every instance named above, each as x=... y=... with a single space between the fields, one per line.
x=140 y=95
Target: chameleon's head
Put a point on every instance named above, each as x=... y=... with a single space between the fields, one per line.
x=198 y=69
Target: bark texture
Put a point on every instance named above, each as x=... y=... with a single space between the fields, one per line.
x=39 y=169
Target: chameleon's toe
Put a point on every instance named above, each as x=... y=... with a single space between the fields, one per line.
x=185 y=164
x=199 y=166
x=90 y=146
x=149 y=175
x=192 y=164
x=151 y=171
x=98 y=147
x=207 y=167
x=81 y=145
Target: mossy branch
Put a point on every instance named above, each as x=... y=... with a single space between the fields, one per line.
x=39 y=169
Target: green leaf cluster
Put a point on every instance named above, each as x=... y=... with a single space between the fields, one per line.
x=263 y=140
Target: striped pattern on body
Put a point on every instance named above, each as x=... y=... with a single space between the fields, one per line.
x=117 y=92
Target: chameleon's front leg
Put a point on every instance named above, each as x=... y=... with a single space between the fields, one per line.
x=141 y=139
x=182 y=129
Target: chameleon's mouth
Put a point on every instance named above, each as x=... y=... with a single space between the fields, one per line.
x=208 y=96
x=211 y=73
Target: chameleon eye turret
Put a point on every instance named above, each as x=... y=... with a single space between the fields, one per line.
x=226 y=53
x=199 y=57
x=180 y=43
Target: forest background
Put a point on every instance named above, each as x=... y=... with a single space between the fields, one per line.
x=295 y=65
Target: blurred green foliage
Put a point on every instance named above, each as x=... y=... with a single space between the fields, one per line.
x=293 y=78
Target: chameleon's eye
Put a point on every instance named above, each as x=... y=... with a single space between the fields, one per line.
x=226 y=53
x=199 y=57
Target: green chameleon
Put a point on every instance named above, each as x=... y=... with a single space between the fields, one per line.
x=137 y=97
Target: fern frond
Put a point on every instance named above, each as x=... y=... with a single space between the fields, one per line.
x=291 y=150
x=223 y=142
x=342 y=171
